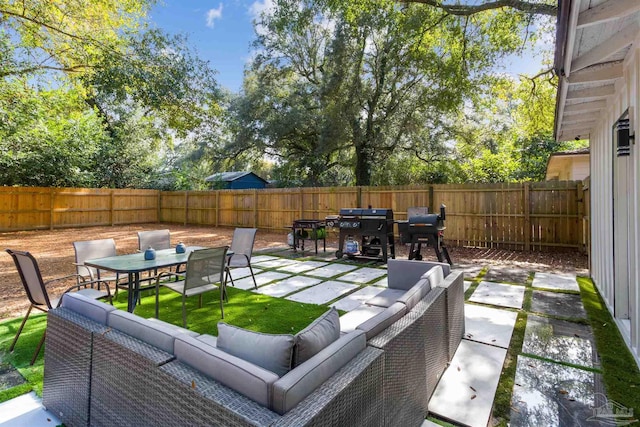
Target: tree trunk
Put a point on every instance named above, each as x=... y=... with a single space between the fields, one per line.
x=363 y=165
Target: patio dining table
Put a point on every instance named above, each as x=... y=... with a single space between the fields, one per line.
x=134 y=264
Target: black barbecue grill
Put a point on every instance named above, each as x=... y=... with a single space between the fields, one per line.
x=371 y=228
x=423 y=228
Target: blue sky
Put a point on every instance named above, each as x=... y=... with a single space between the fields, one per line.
x=221 y=32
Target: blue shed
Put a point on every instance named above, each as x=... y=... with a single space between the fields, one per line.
x=236 y=180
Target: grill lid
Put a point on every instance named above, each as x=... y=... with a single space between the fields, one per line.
x=428 y=220
x=369 y=213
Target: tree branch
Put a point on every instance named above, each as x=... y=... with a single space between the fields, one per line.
x=467 y=10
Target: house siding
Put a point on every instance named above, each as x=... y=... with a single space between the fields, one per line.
x=616 y=236
x=247 y=181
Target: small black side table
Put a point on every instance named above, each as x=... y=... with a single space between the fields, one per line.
x=308 y=229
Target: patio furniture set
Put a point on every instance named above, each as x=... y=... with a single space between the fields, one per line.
x=126 y=370
x=206 y=269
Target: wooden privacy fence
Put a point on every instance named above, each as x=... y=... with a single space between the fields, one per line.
x=524 y=216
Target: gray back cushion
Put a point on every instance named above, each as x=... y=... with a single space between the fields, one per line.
x=292 y=388
x=435 y=276
x=319 y=334
x=404 y=273
x=416 y=293
x=242 y=376
x=272 y=352
x=382 y=321
x=87 y=307
x=158 y=334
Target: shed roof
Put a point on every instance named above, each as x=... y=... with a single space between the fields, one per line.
x=230 y=176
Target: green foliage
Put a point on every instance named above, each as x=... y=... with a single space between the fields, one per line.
x=344 y=84
x=68 y=36
x=47 y=137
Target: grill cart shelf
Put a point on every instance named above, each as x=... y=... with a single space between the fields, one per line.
x=372 y=228
x=308 y=229
x=423 y=228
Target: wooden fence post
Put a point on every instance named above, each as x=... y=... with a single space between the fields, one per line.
x=186 y=206
x=580 y=226
x=301 y=210
x=52 y=196
x=111 y=205
x=255 y=208
x=217 y=207
x=432 y=202
x=527 y=217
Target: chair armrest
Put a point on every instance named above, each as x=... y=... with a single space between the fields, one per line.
x=167 y=274
x=89 y=272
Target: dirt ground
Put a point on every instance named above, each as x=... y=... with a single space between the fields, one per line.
x=54 y=252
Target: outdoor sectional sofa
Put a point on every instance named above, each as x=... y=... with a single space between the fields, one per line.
x=104 y=366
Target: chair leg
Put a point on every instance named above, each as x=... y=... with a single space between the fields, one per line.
x=255 y=284
x=228 y=276
x=157 y=299
x=223 y=294
x=13 y=344
x=35 y=355
x=184 y=312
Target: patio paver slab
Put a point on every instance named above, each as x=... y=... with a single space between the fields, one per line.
x=357 y=298
x=9 y=376
x=489 y=325
x=262 y=278
x=383 y=283
x=331 y=270
x=363 y=275
x=261 y=258
x=560 y=340
x=287 y=286
x=26 y=410
x=499 y=294
x=302 y=266
x=470 y=270
x=466 y=390
x=558 y=304
x=564 y=282
x=323 y=293
x=506 y=273
x=549 y=394
x=467 y=285
x=275 y=263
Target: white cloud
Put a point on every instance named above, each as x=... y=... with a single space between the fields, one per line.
x=260 y=6
x=214 y=14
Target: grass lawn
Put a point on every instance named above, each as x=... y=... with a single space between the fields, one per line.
x=245 y=309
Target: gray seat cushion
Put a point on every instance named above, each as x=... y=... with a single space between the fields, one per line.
x=350 y=321
x=318 y=335
x=292 y=388
x=272 y=352
x=244 y=377
x=158 y=334
x=383 y=320
x=95 y=310
x=386 y=298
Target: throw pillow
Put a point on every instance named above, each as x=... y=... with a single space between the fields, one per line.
x=269 y=351
x=318 y=335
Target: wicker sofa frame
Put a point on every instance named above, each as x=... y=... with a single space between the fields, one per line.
x=95 y=375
